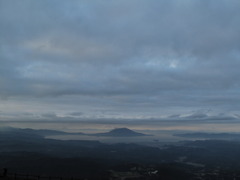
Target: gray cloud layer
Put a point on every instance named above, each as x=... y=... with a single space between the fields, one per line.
x=121 y=56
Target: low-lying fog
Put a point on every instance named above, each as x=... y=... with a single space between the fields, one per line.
x=161 y=132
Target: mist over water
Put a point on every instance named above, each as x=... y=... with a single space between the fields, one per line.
x=159 y=132
x=99 y=126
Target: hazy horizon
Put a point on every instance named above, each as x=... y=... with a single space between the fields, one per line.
x=143 y=64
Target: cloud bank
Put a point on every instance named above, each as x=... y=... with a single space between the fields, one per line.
x=119 y=58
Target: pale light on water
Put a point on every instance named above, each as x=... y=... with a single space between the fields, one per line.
x=88 y=127
x=159 y=131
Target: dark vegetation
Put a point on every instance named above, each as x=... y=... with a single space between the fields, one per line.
x=27 y=151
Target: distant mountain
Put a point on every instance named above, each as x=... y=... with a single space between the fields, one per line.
x=27 y=133
x=46 y=132
x=233 y=136
x=33 y=132
x=120 y=132
x=30 y=140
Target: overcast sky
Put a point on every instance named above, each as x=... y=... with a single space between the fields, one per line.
x=133 y=59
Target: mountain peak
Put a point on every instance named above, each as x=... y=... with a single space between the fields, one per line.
x=120 y=132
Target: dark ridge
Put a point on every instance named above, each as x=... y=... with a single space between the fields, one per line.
x=120 y=132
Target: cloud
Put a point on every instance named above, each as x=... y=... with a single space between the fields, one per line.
x=122 y=56
x=76 y=114
x=49 y=115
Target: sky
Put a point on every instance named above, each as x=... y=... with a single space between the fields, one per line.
x=120 y=60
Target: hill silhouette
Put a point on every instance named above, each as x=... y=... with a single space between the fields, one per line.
x=120 y=132
x=26 y=133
